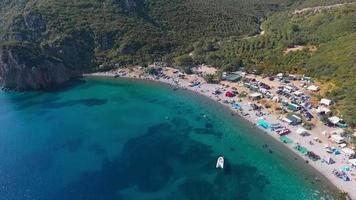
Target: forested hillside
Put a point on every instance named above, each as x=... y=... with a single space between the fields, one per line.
x=134 y=31
x=320 y=44
x=76 y=35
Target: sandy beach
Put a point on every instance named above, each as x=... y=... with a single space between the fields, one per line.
x=172 y=77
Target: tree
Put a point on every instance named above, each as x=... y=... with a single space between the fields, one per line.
x=308 y=125
x=184 y=62
x=210 y=78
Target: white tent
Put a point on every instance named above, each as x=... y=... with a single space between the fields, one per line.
x=323 y=110
x=329 y=160
x=325 y=102
x=301 y=131
x=334 y=119
x=285 y=119
x=313 y=88
x=337 y=139
x=342 y=145
x=348 y=151
x=352 y=162
x=255 y=95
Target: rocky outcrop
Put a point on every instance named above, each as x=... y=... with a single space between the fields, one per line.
x=25 y=67
x=31 y=66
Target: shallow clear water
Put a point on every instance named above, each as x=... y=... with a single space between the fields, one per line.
x=120 y=139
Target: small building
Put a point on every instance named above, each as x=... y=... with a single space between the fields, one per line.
x=325 y=102
x=313 y=88
x=295 y=120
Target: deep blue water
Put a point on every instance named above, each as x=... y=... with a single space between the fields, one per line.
x=120 y=139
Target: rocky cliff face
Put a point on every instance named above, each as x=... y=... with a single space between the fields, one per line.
x=33 y=56
x=28 y=62
x=23 y=67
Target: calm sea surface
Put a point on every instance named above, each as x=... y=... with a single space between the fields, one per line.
x=125 y=140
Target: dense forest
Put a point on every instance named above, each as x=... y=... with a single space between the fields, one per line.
x=133 y=31
x=79 y=35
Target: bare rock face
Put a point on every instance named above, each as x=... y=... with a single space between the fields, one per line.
x=23 y=64
x=23 y=67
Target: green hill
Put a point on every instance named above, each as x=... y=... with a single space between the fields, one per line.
x=134 y=31
x=328 y=51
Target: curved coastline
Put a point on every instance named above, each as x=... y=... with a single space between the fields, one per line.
x=312 y=170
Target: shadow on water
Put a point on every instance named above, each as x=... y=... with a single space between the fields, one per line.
x=207 y=131
x=43 y=99
x=146 y=164
x=53 y=102
x=69 y=85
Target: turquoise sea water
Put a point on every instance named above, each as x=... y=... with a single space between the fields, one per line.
x=120 y=139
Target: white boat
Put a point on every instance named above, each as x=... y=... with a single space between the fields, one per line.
x=220 y=162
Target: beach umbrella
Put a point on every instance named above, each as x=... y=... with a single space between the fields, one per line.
x=336 y=152
x=329 y=160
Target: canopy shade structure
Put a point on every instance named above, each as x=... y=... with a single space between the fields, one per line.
x=329 y=160
x=313 y=88
x=334 y=119
x=325 y=102
x=323 y=110
x=301 y=131
x=338 y=139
